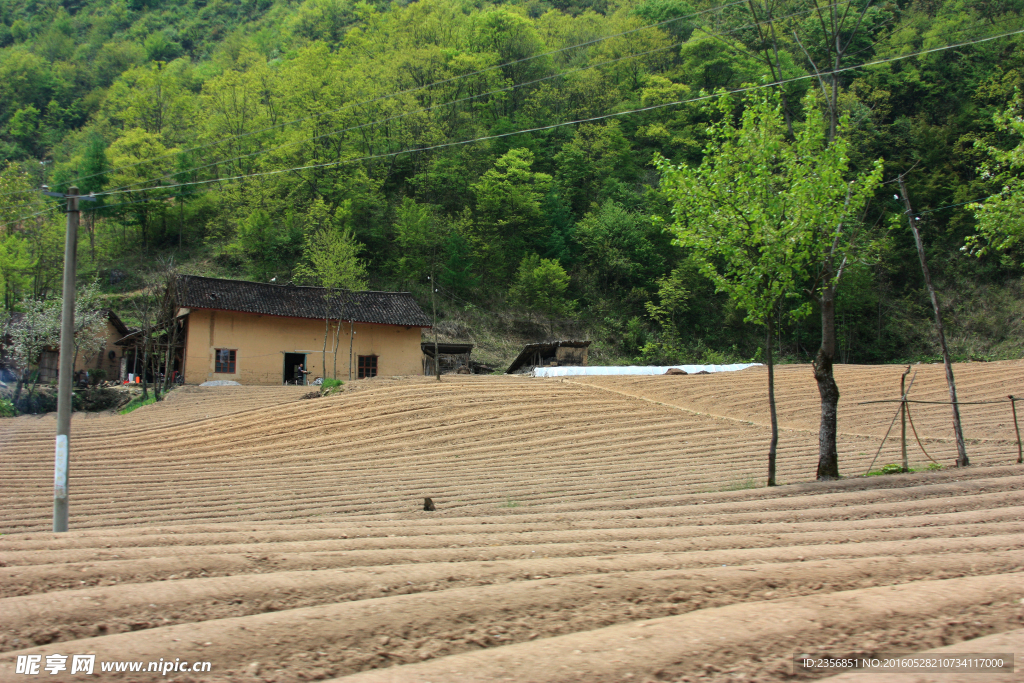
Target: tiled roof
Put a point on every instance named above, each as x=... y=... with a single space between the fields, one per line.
x=116 y=322
x=385 y=308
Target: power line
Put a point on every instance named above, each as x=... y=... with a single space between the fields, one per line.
x=537 y=129
x=565 y=123
x=19 y=219
x=412 y=90
x=340 y=131
x=953 y=206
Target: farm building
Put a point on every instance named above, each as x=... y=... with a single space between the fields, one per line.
x=107 y=358
x=454 y=358
x=258 y=333
x=549 y=354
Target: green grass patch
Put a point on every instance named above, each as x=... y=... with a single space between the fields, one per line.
x=331 y=382
x=742 y=485
x=891 y=468
x=136 y=403
x=509 y=503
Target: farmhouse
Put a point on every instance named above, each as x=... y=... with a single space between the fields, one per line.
x=258 y=333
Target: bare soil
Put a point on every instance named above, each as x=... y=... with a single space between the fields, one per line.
x=587 y=529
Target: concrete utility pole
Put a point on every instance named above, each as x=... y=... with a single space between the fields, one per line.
x=67 y=368
x=961 y=460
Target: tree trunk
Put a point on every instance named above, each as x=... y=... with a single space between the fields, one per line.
x=167 y=358
x=92 y=236
x=772 y=446
x=327 y=331
x=154 y=361
x=828 y=457
x=145 y=368
x=351 y=346
x=335 y=345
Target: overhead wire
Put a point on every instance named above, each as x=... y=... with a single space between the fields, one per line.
x=703 y=97
x=509 y=88
x=535 y=129
x=19 y=219
x=412 y=90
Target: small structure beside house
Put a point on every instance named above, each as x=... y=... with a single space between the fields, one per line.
x=259 y=333
x=549 y=354
x=454 y=358
x=108 y=357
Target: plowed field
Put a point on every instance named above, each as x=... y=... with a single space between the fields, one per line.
x=283 y=539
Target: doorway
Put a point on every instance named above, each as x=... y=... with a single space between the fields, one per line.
x=291 y=361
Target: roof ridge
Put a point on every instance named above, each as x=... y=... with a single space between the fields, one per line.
x=275 y=284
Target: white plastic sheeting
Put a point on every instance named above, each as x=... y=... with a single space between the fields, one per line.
x=571 y=371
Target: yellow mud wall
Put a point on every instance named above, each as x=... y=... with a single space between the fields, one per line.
x=260 y=342
x=100 y=360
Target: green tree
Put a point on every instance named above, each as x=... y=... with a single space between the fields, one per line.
x=621 y=250
x=142 y=160
x=763 y=217
x=416 y=236
x=457 y=272
x=734 y=213
x=331 y=260
x=15 y=268
x=261 y=241
x=831 y=198
x=673 y=299
x=1001 y=217
x=509 y=218
x=541 y=284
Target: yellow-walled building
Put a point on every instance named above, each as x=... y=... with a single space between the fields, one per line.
x=259 y=333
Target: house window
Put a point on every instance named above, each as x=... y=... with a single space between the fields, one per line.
x=225 y=361
x=367 y=366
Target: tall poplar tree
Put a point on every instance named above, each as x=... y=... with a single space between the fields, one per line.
x=734 y=213
x=768 y=220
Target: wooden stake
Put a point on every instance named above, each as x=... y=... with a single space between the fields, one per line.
x=903 y=420
x=961 y=460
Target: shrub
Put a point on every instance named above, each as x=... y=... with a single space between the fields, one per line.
x=7 y=408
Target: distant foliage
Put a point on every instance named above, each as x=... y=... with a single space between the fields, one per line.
x=375 y=143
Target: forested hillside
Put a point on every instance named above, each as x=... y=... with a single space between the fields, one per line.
x=240 y=138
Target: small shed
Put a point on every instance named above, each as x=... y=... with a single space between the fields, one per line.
x=453 y=357
x=549 y=354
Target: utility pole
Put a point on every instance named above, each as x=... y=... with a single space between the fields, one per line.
x=433 y=308
x=67 y=368
x=961 y=460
